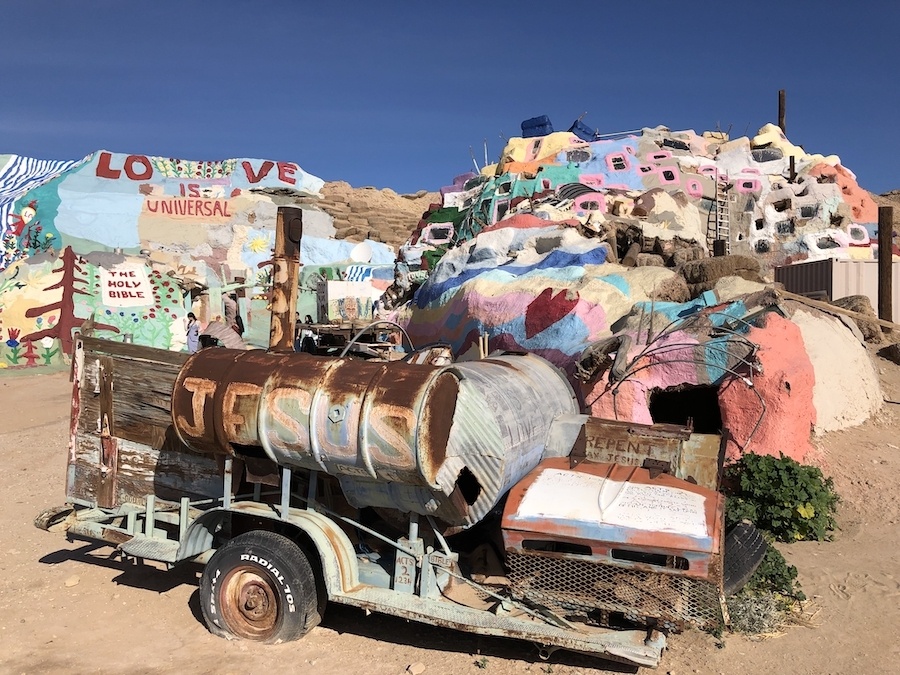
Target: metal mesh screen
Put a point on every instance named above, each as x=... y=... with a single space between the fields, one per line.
x=583 y=585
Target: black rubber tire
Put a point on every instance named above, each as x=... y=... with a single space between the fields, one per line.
x=259 y=586
x=745 y=549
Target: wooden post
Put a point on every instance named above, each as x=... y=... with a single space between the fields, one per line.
x=285 y=278
x=781 y=110
x=885 y=261
x=630 y=259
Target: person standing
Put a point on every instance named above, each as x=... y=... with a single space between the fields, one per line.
x=193 y=333
x=233 y=313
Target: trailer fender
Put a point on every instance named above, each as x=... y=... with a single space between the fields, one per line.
x=336 y=556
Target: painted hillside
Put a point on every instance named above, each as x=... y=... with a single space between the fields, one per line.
x=595 y=252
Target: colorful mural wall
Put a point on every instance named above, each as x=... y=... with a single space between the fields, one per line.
x=132 y=243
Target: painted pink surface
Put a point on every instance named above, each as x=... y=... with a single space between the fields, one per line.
x=491 y=309
x=786 y=386
x=864 y=208
x=594 y=180
x=618 y=161
x=694 y=188
x=668 y=363
x=524 y=221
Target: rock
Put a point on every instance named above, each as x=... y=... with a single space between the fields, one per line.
x=684 y=255
x=674 y=289
x=72 y=581
x=650 y=260
x=710 y=270
x=860 y=303
x=891 y=353
x=416 y=668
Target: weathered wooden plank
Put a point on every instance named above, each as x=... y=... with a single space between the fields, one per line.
x=833 y=309
x=169 y=473
x=143 y=401
x=133 y=351
x=84 y=470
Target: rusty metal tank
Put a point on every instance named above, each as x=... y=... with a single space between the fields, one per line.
x=447 y=442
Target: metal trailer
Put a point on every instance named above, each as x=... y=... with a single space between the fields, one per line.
x=276 y=548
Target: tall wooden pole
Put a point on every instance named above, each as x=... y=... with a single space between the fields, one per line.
x=285 y=276
x=781 y=111
x=885 y=261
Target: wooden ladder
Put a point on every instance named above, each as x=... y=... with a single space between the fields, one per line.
x=723 y=212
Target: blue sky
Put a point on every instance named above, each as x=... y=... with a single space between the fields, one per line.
x=394 y=94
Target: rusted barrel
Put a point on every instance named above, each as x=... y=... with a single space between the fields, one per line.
x=441 y=441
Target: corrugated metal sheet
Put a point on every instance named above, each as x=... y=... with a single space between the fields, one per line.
x=808 y=278
x=504 y=412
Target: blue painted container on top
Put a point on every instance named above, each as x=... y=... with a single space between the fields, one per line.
x=537 y=126
x=583 y=131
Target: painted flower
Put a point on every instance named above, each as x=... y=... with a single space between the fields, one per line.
x=47 y=342
x=13 y=337
x=258 y=244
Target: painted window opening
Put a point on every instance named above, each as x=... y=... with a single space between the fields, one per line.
x=578 y=156
x=669 y=176
x=694 y=188
x=618 y=161
x=782 y=205
x=785 y=227
x=809 y=211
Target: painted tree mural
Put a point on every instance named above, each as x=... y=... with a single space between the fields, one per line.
x=72 y=277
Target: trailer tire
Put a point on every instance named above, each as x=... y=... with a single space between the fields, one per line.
x=259 y=586
x=745 y=548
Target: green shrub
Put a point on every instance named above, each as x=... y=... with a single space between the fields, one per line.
x=768 y=599
x=775 y=576
x=791 y=501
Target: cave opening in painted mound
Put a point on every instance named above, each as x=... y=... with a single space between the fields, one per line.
x=677 y=406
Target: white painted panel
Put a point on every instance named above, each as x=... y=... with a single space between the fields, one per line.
x=860 y=277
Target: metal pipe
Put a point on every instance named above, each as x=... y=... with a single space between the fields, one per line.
x=313 y=488
x=226 y=488
x=439 y=536
x=363 y=330
x=150 y=516
x=183 y=517
x=285 y=492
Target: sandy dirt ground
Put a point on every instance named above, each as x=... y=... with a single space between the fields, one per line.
x=68 y=607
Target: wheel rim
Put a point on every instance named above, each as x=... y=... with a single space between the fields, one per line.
x=250 y=603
